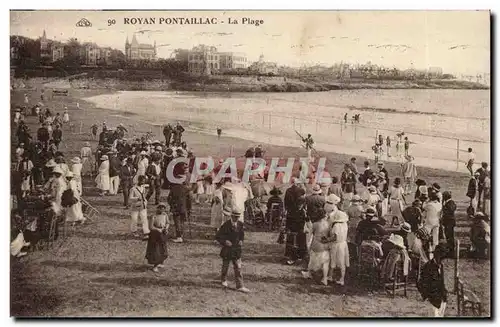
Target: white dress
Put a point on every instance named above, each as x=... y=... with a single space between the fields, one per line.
x=76 y=169
x=216 y=214
x=66 y=117
x=396 y=202
x=102 y=178
x=86 y=154
x=339 y=251
x=319 y=254
x=74 y=213
x=141 y=169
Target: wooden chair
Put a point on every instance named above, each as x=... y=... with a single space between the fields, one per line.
x=89 y=212
x=400 y=281
x=467 y=301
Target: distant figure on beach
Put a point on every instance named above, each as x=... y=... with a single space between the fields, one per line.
x=94 y=129
x=399 y=144
x=26 y=100
x=308 y=144
x=380 y=139
x=345 y=118
x=177 y=133
x=219 y=132
x=407 y=147
x=66 y=116
x=167 y=133
x=470 y=160
x=388 y=145
x=78 y=105
x=42 y=96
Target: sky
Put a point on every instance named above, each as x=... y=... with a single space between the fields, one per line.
x=456 y=41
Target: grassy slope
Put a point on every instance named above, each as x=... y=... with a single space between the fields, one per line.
x=100 y=271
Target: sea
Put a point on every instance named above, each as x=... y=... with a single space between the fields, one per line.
x=440 y=124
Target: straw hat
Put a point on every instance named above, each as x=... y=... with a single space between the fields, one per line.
x=423 y=189
x=397 y=240
x=156 y=142
x=316 y=189
x=104 y=157
x=51 y=163
x=356 y=198
x=76 y=160
x=372 y=189
x=369 y=212
x=406 y=227
x=69 y=175
x=159 y=148
x=236 y=213
x=143 y=153
x=436 y=186
x=332 y=199
x=339 y=217
x=58 y=170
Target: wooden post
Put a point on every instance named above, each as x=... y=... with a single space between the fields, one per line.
x=317 y=125
x=81 y=127
x=458 y=152
x=457 y=257
x=263 y=118
x=269 y=121
x=355 y=133
x=294 y=122
x=341 y=129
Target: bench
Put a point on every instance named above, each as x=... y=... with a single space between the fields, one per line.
x=60 y=92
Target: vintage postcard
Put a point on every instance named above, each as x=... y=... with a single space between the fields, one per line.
x=250 y=163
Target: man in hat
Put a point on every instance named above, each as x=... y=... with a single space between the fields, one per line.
x=258 y=151
x=114 y=172
x=381 y=169
x=314 y=202
x=127 y=173
x=448 y=221
x=296 y=246
x=436 y=188
x=413 y=215
x=93 y=130
x=355 y=210
x=121 y=131
x=308 y=145
x=470 y=160
x=480 y=236
x=139 y=207
x=219 y=132
x=179 y=200
x=367 y=175
x=177 y=134
x=142 y=165
x=153 y=173
x=231 y=236
x=43 y=135
x=348 y=184
x=483 y=173
x=56 y=187
x=354 y=167
x=371 y=225
x=167 y=133
x=274 y=207
x=409 y=172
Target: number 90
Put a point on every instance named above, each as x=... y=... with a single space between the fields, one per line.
x=111 y=22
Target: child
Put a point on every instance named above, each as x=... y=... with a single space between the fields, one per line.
x=156 y=250
x=231 y=236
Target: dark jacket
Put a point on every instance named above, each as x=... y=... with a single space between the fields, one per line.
x=348 y=182
x=127 y=173
x=314 y=203
x=413 y=216
x=275 y=199
x=431 y=284
x=472 y=188
x=227 y=232
x=43 y=134
x=179 y=199
x=449 y=208
x=57 y=134
x=114 y=166
x=153 y=176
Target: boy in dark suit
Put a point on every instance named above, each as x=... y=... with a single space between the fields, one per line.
x=230 y=236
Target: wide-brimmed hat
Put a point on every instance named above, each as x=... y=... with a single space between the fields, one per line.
x=397 y=240
x=169 y=151
x=381 y=174
x=112 y=152
x=87 y=144
x=156 y=142
x=370 y=212
x=316 y=189
x=332 y=199
x=380 y=163
x=236 y=212
x=58 y=170
x=69 y=175
x=51 y=163
x=423 y=189
x=76 y=160
x=339 y=217
x=161 y=205
x=159 y=148
x=143 y=153
x=417 y=202
x=104 y=157
x=356 y=198
x=275 y=191
x=482 y=216
x=436 y=186
x=406 y=227
x=372 y=189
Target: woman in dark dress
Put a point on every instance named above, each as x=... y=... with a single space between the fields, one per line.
x=156 y=251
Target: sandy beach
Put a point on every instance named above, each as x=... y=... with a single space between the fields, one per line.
x=99 y=271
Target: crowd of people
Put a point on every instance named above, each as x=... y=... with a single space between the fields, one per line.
x=401 y=219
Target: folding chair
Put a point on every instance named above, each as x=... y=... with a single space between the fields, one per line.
x=399 y=282
x=89 y=212
x=467 y=301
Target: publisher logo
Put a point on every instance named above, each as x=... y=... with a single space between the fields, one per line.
x=84 y=22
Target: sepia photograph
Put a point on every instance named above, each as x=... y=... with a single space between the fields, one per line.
x=257 y=164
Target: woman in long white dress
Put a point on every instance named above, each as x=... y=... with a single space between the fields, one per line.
x=339 y=251
x=65 y=116
x=319 y=255
x=141 y=166
x=216 y=214
x=74 y=213
x=397 y=201
x=102 y=178
x=76 y=169
x=86 y=154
